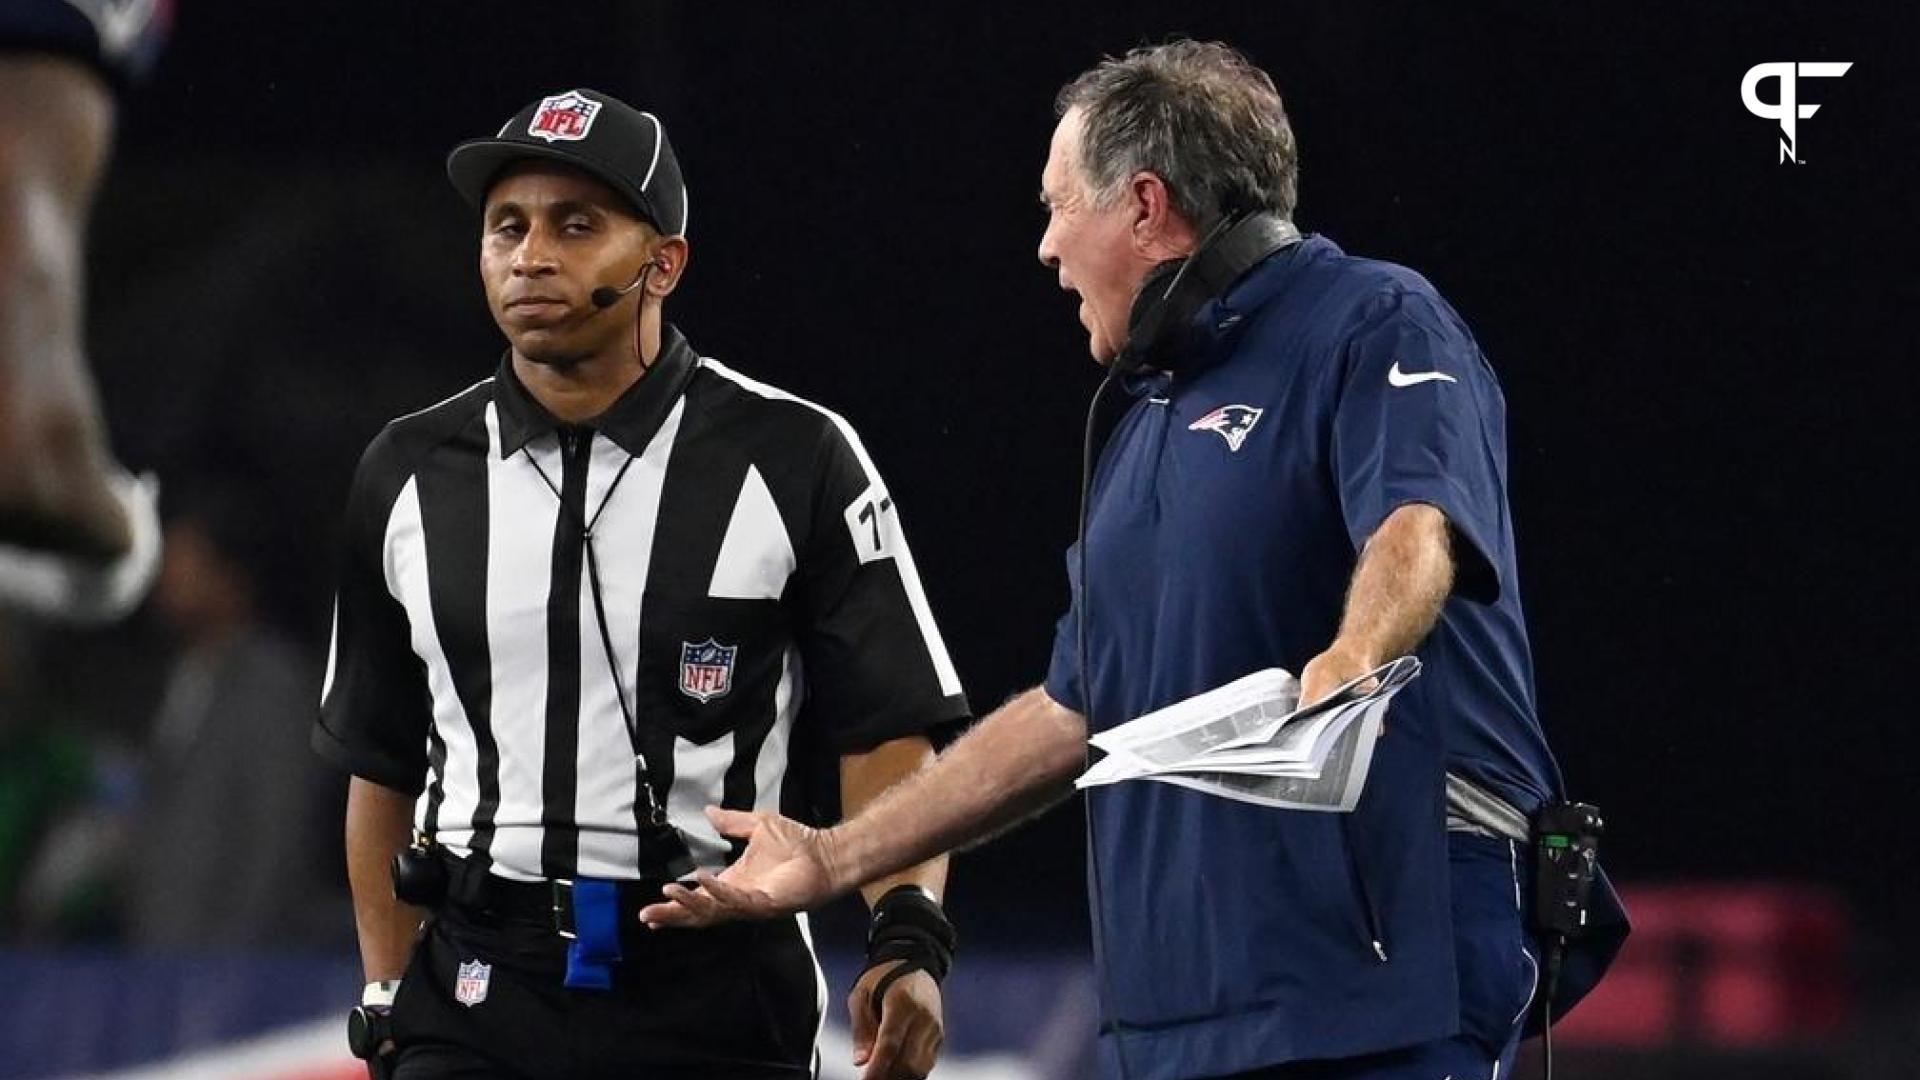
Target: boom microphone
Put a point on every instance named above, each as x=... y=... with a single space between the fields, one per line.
x=606 y=296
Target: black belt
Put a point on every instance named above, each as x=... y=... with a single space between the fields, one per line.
x=476 y=890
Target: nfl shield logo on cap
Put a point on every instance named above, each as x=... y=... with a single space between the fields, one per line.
x=599 y=134
x=706 y=669
x=470 y=984
x=564 y=117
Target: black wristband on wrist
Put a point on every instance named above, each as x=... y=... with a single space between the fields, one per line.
x=910 y=927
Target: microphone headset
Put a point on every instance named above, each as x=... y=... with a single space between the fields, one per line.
x=1175 y=290
x=606 y=296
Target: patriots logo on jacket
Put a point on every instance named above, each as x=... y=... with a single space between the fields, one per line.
x=1230 y=422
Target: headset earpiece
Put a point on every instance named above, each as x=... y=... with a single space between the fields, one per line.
x=1175 y=290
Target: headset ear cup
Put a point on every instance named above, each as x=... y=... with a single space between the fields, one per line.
x=1175 y=291
x=1147 y=319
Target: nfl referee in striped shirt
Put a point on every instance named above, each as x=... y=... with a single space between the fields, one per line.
x=579 y=602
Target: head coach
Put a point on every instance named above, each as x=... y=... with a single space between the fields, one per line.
x=583 y=599
x=1339 y=413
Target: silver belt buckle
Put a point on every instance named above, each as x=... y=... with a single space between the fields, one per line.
x=561 y=891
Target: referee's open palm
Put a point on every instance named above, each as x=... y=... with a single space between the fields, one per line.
x=783 y=870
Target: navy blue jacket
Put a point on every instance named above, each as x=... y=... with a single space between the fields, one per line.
x=1319 y=394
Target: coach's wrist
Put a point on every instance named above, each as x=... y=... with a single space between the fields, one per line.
x=830 y=852
x=1356 y=653
x=842 y=864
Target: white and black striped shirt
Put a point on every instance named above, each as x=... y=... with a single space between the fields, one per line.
x=750 y=561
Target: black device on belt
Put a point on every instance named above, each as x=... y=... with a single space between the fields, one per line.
x=1566 y=853
x=420 y=877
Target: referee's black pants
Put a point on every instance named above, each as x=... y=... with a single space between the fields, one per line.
x=738 y=1001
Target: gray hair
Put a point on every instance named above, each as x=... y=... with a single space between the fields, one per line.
x=1196 y=114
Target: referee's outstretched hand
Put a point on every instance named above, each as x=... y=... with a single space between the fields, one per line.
x=787 y=867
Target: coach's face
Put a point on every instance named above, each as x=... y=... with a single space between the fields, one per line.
x=551 y=235
x=1096 y=251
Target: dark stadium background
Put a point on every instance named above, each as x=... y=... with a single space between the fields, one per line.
x=1708 y=355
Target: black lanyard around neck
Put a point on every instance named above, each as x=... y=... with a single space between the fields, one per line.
x=577 y=443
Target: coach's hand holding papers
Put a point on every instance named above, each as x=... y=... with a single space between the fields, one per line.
x=1247 y=740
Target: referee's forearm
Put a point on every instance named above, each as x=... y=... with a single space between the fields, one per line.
x=379 y=825
x=1011 y=765
x=864 y=778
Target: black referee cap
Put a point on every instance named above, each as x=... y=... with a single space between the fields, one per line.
x=624 y=147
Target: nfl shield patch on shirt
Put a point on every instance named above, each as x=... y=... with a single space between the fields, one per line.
x=706 y=669
x=470 y=984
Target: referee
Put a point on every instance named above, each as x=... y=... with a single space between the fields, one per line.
x=579 y=602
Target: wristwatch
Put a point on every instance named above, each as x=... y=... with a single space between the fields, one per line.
x=370 y=1023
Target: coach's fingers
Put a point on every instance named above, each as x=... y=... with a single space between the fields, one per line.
x=665 y=915
x=735 y=901
x=712 y=899
x=704 y=901
x=680 y=907
x=734 y=824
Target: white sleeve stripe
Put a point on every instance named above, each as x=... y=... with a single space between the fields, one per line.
x=909 y=573
x=819 y=986
x=443 y=401
x=333 y=652
x=659 y=136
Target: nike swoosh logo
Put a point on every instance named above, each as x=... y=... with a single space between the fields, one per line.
x=1400 y=378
